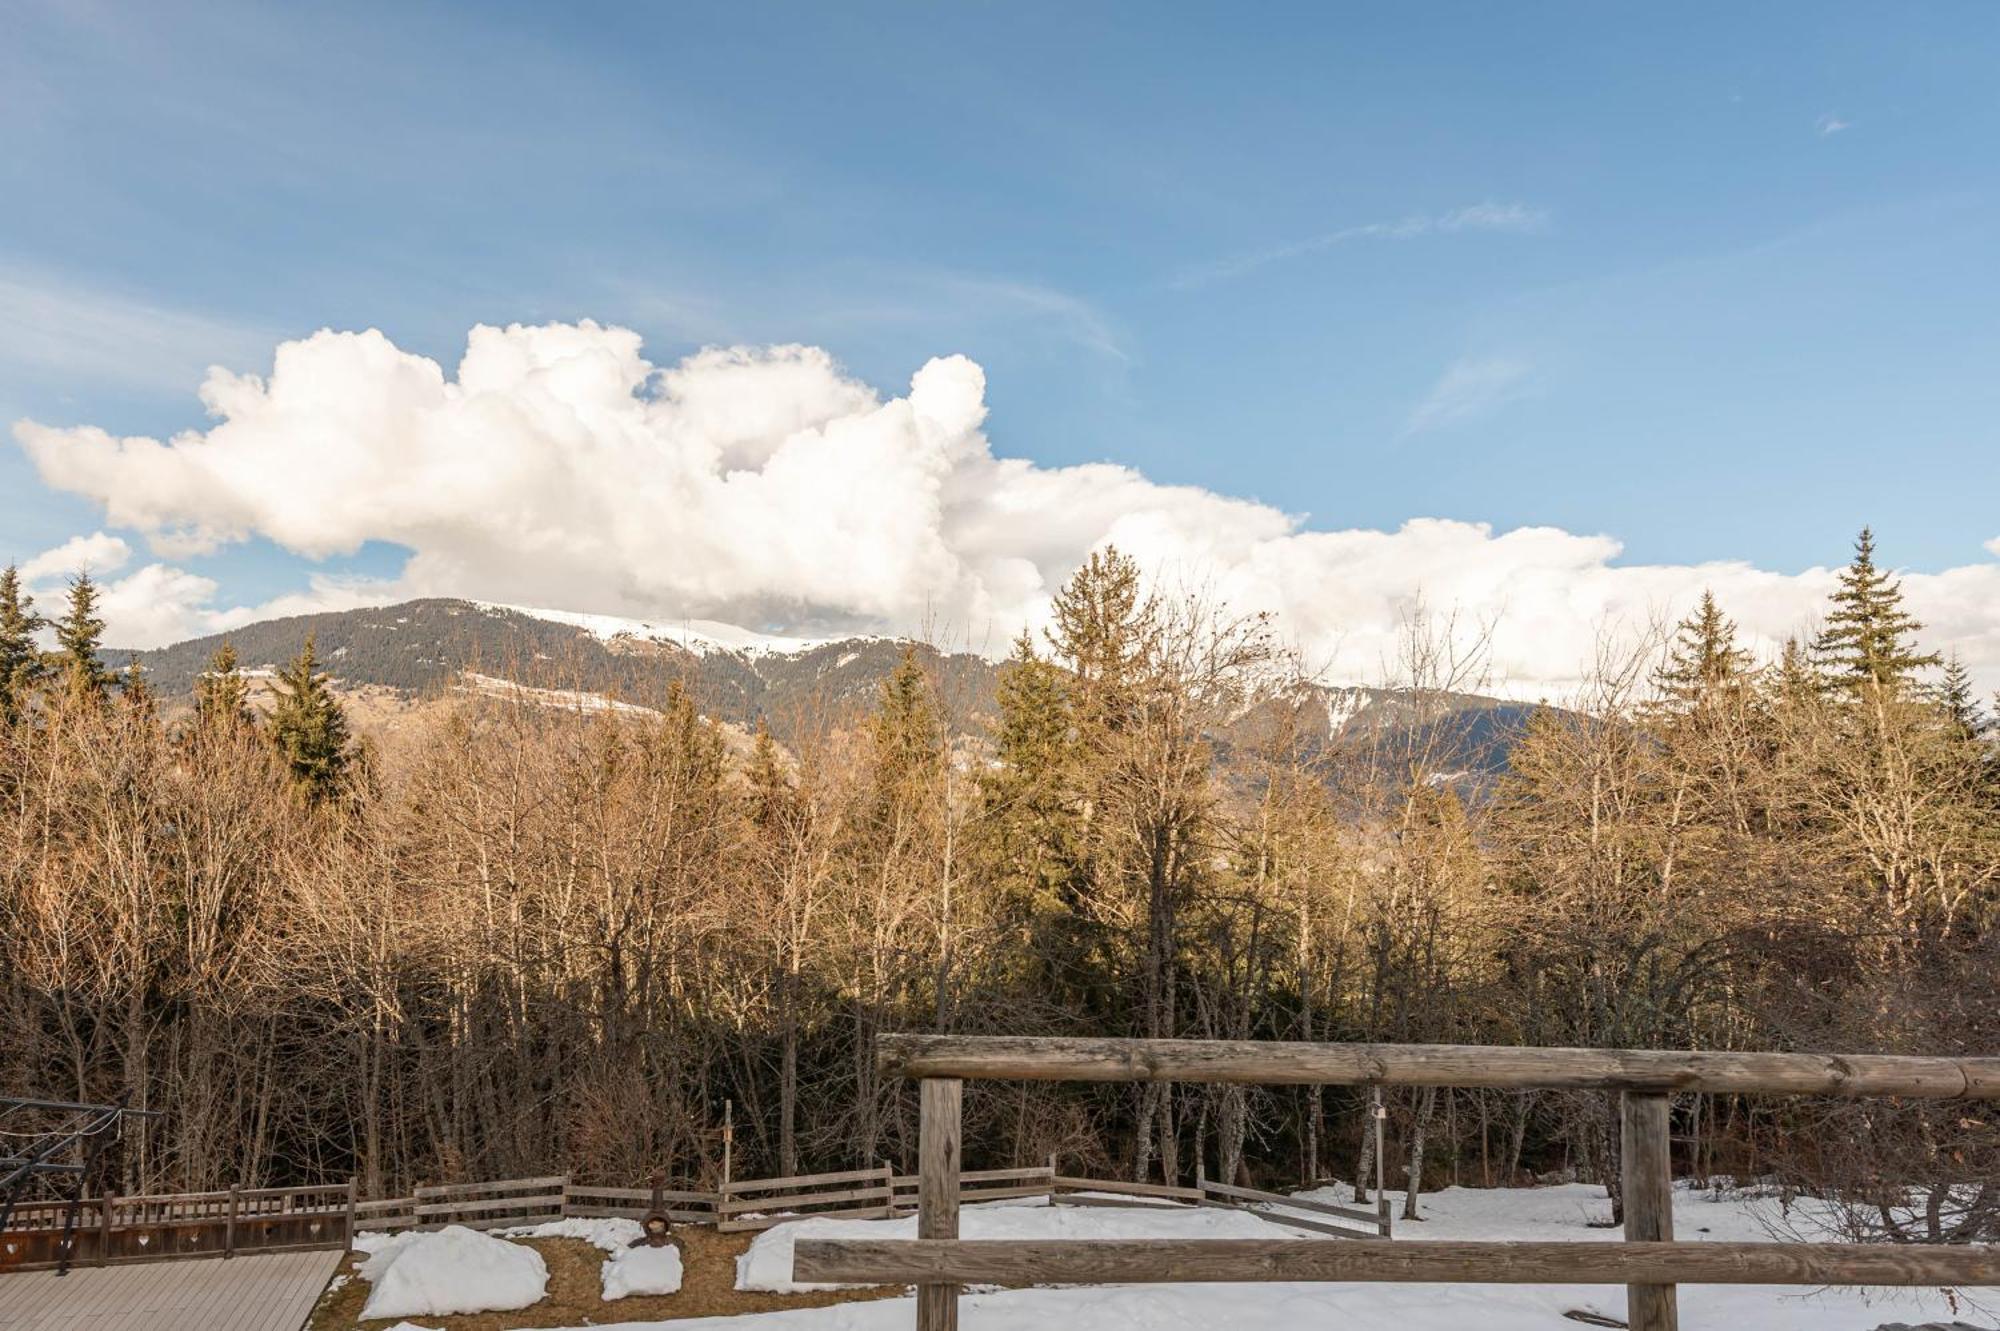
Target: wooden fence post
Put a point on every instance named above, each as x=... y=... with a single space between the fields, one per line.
x=1646 y=1163
x=1378 y=1113
x=229 y=1225
x=353 y=1199
x=938 y=1100
x=105 y=1202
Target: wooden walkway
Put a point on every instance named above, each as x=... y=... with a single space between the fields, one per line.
x=257 y=1292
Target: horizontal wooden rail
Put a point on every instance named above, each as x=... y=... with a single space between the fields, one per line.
x=743 y=1205
x=1281 y=1063
x=1019 y=1262
x=1367 y=1218
x=504 y=1185
x=1065 y=1183
x=541 y=1203
x=804 y=1180
x=642 y=1194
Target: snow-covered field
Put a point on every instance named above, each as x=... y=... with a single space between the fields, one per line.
x=768 y=1263
x=1554 y=1213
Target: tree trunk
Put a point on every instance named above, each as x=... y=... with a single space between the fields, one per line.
x=1419 y=1127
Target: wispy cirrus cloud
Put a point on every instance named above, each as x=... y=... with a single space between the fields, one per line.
x=1471 y=387
x=57 y=326
x=1514 y=218
x=1830 y=124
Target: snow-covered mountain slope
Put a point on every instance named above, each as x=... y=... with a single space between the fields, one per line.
x=703 y=637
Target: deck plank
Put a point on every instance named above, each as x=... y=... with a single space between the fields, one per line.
x=251 y=1292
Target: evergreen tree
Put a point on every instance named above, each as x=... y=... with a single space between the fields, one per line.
x=1027 y=794
x=1703 y=658
x=771 y=796
x=1960 y=702
x=136 y=694
x=1869 y=640
x=908 y=738
x=79 y=639
x=221 y=695
x=309 y=728
x=1102 y=632
x=1794 y=679
x=20 y=660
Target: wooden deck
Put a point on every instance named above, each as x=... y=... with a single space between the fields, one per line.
x=260 y=1292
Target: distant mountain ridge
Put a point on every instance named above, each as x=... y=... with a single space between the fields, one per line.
x=738 y=676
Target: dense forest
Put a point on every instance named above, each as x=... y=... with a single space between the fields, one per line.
x=538 y=938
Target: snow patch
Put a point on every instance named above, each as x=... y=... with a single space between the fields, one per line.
x=452 y=1270
x=642 y=1270
x=703 y=637
x=610 y=1234
x=767 y=1265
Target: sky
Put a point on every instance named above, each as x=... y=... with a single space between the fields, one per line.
x=883 y=316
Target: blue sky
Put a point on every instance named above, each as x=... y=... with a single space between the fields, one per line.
x=1720 y=281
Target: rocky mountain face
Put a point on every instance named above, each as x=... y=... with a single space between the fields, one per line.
x=429 y=647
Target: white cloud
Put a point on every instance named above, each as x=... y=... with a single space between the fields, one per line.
x=765 y=487
x=1469 y=388
x=1506 y=217
x=95 y=554
x=1832 y=124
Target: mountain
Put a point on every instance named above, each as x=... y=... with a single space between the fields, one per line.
x=432 y=646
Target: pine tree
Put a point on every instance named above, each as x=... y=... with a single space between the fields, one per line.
x=221 y=696
x=20 y=661
x=79 y=639
x=908 y=738
x=1868 y=640
x=1027 y=795
x=771 y=795
x=1960 y=702
x=1104 y=626
x=309 y=728
x=1794 y=679
x=1703 y=659
x=136 y=694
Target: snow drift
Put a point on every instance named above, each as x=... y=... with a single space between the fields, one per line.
x=453 y=1270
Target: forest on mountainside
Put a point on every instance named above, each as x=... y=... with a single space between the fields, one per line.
x=541 y=939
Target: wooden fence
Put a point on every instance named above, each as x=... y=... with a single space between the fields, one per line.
x=244 y=1220
x=1648 y=1263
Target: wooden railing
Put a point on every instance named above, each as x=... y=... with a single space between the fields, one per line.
x=1648 y=1263
x=101 y=1231
x=761 y=1203
x=245 y=1220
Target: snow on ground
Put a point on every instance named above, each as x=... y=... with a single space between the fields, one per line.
x=1562 y=1213
x=606 y=1235
x=451 y=1270
x=767 y=1265
x=642 y=1270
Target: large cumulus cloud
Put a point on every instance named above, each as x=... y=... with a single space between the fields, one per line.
x=556 y=466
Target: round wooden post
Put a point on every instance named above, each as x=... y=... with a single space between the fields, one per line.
x=1647 y=1168
x=229 y=1225
x=938 y=1104
x=1378 y=1115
